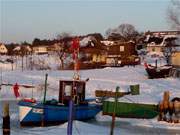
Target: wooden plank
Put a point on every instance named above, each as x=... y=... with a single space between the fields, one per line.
x=106 y=93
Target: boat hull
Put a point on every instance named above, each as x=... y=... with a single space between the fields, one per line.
x=36 y=113
x=158 y=73
x=130 y=110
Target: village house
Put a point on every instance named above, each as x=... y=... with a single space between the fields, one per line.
x=3 y=49
x=44 y=46
x=42 y=49
x=158 y=40
x=92 y=53
x=122 y=53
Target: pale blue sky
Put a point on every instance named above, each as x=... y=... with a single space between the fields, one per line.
x=22 y=20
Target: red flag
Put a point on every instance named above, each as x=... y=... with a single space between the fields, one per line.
x=16 y=90
x=75 y=44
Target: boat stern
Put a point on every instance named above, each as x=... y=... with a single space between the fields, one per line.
x=29 y=114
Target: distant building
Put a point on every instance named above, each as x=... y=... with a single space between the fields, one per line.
x=93 y=55
x=3 y=49
x=158 y=40
x=122 y=53
x=92 y=50
x=40 y=49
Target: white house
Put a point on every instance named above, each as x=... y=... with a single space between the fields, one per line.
x=157 y=41
x=3 y=49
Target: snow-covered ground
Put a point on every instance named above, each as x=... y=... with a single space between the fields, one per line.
x=99 y=79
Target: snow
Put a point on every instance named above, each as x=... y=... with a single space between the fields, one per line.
x=84 y=42
x=150 y=123
x=107 y=42
x=100 y=79
x=18 y=48
x=151 y=91
x=79 y=128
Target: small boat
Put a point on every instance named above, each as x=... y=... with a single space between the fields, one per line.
x=71 y=101
x=131 y=106
x=54 y=111
x=158 y=72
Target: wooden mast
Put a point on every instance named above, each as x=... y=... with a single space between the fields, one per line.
x=75 y=43
x=44 y=100
x=75 y=47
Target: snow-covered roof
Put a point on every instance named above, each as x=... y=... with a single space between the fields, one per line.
x=169 y=36
x=163 y=43
x=107 y=42
x=18 y=48
x=85 y=41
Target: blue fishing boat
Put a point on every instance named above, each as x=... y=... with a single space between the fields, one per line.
x=54 y=111
x=57 y=111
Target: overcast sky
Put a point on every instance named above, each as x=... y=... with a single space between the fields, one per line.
x=22 y=20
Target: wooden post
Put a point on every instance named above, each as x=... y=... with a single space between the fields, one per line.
x=70 y=119
x=6 y=119
x=44 y=100
x=114 y=111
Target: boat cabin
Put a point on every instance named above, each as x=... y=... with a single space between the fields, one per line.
x=72 y=90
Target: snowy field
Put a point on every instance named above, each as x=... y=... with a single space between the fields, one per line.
x=99 y=79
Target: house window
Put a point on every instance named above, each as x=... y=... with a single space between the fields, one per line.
x=121 y=48
x=67 y=90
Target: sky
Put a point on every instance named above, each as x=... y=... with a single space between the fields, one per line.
x=24 y=20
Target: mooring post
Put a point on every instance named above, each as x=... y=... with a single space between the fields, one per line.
x=70 y=119
x=44 y=101
x=6 y=119
x=114 y=111
x=45 y=89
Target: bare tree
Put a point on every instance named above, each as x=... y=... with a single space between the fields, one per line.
x=60 y=51
x=62 y=46
x=173 y=14
x=63 y=35
x=123 y=31
x=24 y=51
